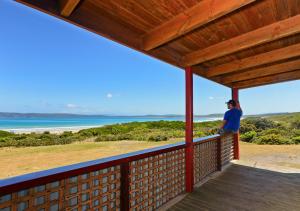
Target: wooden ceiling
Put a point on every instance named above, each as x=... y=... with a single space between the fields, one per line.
x=237 y=43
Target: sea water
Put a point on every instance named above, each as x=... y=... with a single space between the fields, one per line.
x=23 y=123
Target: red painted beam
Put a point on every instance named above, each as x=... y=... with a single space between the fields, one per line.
x=189 y=163
x=236 y=149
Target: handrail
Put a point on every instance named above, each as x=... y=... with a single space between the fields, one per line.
x=206 y=139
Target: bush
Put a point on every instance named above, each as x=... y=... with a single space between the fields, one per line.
x=66 y=134
x=295 y=132
x=248 y=136
x=106 y=138
x=86 y=133
x=261 y=123
x=157 y=138
x=296 y=140
x=246 y=127
x=4 y=134
x=295 y=124
x=273 y=139
x=198 y=134
x=276 y=131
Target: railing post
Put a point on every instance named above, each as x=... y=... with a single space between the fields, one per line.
x=219 y=153
x=125 y=186
x=236 y=136
x=189 y=163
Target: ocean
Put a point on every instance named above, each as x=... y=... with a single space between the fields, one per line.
x=14 y=124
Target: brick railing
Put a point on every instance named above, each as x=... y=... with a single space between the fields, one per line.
x=143 y=180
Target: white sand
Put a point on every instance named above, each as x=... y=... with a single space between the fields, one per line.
x=55 y=130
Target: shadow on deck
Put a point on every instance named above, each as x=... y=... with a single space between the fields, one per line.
x=245 y=188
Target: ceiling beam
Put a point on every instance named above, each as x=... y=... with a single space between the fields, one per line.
x=261 y=72
x=259 y=36
x=200 y=14
x=67 y=7
x=282 y=77
x=253 y=61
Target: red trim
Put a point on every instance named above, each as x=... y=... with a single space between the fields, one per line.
x=189 y=130
x=236 y=147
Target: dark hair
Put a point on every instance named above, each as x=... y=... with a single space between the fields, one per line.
x=232 y=102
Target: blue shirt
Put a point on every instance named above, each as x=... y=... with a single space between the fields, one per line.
x=232 y=117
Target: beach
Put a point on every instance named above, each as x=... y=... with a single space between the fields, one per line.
x=53 y=130
x=57 y=125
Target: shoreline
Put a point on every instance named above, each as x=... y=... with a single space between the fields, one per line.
x=59 y=130
x=54 y=130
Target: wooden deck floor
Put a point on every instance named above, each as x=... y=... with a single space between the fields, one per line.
x=245 y=188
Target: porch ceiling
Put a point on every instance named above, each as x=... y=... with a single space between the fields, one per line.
x=240 y=44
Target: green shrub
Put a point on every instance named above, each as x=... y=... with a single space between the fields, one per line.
x=247 y=127
x=66 y=134
x=5 y=134
x=273 y=139
x=295 y=132
x=296 y=140
x=295 y=124
x=198 y=134
x=248 y=136
x=157 y=138
x=261 y=123
x=86 y=133
x=106 y=138
x=211 y=131
x=276 y=131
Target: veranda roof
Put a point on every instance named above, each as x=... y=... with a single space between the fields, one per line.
x=237 y=43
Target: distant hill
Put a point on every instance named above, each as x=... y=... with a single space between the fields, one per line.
x=55 y=115
x=61 y=115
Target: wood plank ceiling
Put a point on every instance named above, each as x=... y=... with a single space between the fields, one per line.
x=237 y=43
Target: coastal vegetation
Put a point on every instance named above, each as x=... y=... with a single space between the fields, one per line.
x=273 y=129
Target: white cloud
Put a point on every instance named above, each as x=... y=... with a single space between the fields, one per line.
x=211 y=98
x=70 y=105
x=109 y=95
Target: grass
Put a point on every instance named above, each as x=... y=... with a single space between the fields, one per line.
x=17 y=161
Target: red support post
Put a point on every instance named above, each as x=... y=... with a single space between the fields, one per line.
x=236 y=149
x=189 y=163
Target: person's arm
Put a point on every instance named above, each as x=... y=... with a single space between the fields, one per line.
x=223 y=124
x=224 y=120
x=238 y=105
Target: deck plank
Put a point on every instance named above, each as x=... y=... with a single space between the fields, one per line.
x=245 y=188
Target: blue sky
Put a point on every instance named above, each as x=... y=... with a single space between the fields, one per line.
x=47 y=65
